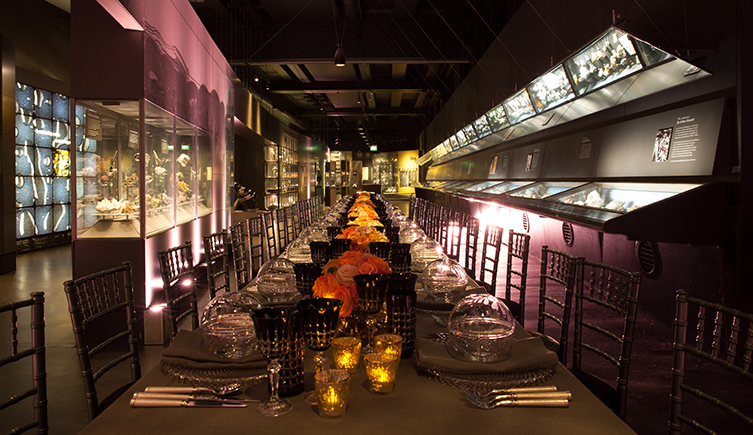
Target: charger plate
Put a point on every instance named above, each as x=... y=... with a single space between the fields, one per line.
x=213 y=378
x=486 y=380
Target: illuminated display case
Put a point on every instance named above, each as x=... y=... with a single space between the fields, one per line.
x=175 y=170
x=497 y=189
x=497 y=118
x=519 y=107
x=42 y=161
x=541 y=190
x=607 y=59
x=482 y=127
x=551 y=89
x=470 y=133
x=620 y=197
x=477 y=187
x=281 y=172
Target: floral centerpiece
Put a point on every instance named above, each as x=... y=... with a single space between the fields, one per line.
x=362 y=235
x=337 y=277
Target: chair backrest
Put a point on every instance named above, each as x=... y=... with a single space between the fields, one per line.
x=256 y=250
x=556 y=288
x=317 y=207
x=517 y=270
x=218 y=262
x=454 y=231
x=412 y=207
x=34 y=356
x=103 y=316
x=178 y=283
x=445 y=216
x=269 y=239
x=470 y=250
x=241 y=261
x=605 y=296
x=304 y=210
x=281 y=228
x=722 y=337
x=295 y=218
x=490 y=257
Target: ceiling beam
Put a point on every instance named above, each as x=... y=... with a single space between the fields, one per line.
x=353 y=60
x=287 y=87
x=345 y=112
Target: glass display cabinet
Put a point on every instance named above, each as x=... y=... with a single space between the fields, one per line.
x=174 y=173
x=607 y=59
x=620 y=197
x=519 y=107
x=281 y=173
x=543 y=189
x=42 y=168
x=479 y=186
x=482 y=127
x=507 y=186
x=497 y=118
x=551 y=89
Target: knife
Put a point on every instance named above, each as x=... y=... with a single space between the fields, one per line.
x=151 y=395
x=139 y=402
x=185 y=390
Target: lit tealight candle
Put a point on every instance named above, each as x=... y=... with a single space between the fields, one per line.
x=332 y=388
x=381 y=369
x=347 y=351
x=389 y=343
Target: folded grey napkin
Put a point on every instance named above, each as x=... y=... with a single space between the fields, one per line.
x=189 y=350
x=528 y=354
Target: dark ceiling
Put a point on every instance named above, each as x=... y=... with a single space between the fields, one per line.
x=405 y=58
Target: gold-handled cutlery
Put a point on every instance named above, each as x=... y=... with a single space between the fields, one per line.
x=526 y=396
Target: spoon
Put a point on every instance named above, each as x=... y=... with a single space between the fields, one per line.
x=550 y=401
x=225 y=390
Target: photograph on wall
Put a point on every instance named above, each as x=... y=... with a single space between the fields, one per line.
x=661 y=145
x=493 y=166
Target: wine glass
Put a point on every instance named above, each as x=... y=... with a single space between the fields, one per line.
x=371 y=289
x=274 y=330
x=319 y=320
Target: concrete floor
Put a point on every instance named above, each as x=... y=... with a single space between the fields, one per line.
x=650 y=377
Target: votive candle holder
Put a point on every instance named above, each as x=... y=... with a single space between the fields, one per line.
x=332 y=389
x=347 y=352
x=381 y=369
x=389 y=343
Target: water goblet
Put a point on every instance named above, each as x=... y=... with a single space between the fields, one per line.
x=319 y=320
x=371 y=289
x=274 y=330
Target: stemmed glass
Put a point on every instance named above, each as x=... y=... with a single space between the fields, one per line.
x=274 y=330
x=371 y=289
x=319 y=319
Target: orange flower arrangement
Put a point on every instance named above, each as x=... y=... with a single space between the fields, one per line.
x=337 y=281
x=362 y=235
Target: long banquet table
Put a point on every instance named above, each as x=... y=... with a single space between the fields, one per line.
x=418 y=405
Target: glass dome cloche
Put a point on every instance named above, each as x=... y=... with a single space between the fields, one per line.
x=410 y=234
x=481 y=329
x=276 y=281
x=444 y=280
x=299 y=251
x=424 y=251
x=227 y=326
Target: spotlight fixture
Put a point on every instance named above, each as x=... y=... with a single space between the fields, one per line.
x=339 y=56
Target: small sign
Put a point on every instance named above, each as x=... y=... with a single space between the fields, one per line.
x=373 y=148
